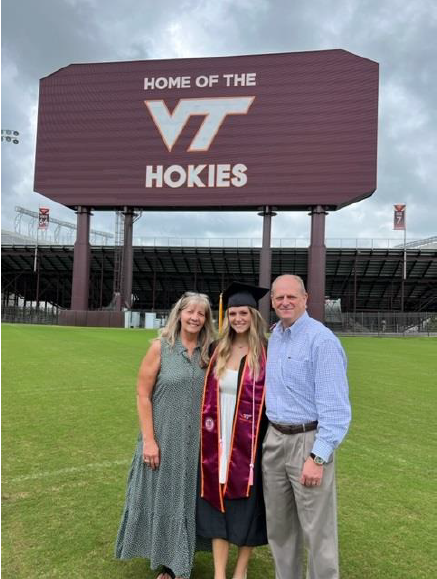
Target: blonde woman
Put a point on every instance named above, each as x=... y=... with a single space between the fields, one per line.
x=230 y=508
x=158 y=522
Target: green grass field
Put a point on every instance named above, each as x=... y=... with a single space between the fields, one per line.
x=69 y=429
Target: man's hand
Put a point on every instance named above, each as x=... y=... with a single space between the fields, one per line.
x=312 y=473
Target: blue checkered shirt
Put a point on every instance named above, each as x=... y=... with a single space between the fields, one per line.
x=306 y=380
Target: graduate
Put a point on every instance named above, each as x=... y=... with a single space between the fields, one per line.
x=230 y=506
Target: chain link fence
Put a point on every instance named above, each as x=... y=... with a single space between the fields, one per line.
x=29 y=315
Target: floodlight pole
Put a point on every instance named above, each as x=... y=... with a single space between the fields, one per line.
x=317 y=264
x=265 y=262
x=35 y=257
x=37 y=286
x=404 y=270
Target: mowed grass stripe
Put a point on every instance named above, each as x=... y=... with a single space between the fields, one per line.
x=69 y=405
x=66 y=471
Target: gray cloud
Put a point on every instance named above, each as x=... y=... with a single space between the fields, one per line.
x=41 y=37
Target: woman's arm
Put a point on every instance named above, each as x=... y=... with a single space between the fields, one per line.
x=146 y=382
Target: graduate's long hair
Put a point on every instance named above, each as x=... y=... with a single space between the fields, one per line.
x=172 y=329
x=256 y=342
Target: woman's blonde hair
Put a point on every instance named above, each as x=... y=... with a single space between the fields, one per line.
x=172 y=329
x=257 y=340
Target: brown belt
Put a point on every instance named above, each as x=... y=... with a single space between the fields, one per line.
x=295 y=428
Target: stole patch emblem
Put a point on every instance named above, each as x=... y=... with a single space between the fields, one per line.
x=209 y=424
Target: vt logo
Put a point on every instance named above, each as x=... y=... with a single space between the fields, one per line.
x=215 y=110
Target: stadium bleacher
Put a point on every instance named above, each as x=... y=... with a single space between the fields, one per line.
x=363 y=279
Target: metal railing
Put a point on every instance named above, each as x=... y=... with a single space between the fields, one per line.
x=48 y=238
x=276 y=242
x=383 y=323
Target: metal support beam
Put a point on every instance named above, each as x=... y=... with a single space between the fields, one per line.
x=153 y=286
x=102 y=272
x=317 y=265
x=82 y=260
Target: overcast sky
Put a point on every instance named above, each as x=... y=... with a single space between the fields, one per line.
x=39 y=37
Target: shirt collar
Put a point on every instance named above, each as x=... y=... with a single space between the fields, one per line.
x=295 y=326
x=180 y=348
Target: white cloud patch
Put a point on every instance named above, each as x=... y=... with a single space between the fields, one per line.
x=41 y=37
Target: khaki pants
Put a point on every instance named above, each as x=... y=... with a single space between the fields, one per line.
x=298 y=515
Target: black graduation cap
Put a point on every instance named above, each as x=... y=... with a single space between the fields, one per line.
x=243 y=294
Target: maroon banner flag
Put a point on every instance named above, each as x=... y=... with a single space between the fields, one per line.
x=399 y=217
x=44 y=218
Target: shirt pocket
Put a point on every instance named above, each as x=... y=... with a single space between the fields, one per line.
x=295 y=369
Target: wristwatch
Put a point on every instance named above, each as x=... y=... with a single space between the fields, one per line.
x=317 y=459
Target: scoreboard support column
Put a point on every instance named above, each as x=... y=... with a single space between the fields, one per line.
x=82 y=260
x=265 y=261
x=317 y=265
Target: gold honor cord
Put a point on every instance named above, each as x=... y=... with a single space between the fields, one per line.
x=220 y=312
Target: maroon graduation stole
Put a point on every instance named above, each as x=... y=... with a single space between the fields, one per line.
x=245 y=430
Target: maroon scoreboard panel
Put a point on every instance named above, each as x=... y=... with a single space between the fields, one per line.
x=288 y=130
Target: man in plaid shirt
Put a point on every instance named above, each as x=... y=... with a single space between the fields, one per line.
x=308 y=408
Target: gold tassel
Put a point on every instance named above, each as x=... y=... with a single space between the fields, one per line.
x=220 y=320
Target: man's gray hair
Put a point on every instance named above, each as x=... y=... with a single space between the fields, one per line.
x=296 y=278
